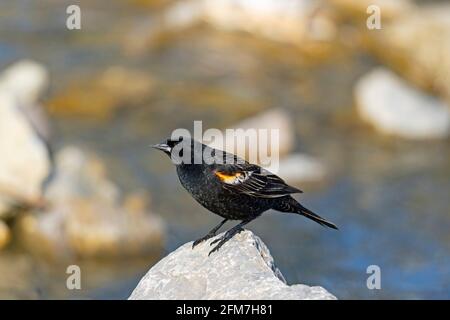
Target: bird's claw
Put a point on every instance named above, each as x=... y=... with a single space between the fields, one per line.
x=227 y=236
x=216 y=240
x=216 y=248
x=198 y=241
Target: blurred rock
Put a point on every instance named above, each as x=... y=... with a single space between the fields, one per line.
x=86 y=218
x=288 y=21
x=99 y=97
x=285 y=21
x=242 y=269
x=25 y=159
x=358 y=8
x=273 y=119
x=417 y=45
x=396 y=108
x=299 y=167
x=26 y=81
x=5 y=235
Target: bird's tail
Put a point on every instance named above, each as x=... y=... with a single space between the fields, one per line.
x=291 y=205
x=315 y=217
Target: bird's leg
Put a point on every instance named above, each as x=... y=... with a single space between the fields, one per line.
x=210 y=234
x=228 y=235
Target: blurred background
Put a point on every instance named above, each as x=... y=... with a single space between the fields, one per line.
x=364 y=114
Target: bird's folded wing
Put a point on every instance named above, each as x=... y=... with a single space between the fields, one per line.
x=254 y=181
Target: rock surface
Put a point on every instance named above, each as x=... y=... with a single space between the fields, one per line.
x=25 y=158
x=85 y=216
x=396 y=108
x=242 y=269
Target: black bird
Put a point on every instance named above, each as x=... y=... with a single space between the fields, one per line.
x=230 y=186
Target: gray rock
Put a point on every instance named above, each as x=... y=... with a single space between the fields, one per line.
x=394 y=107
x=242 y=269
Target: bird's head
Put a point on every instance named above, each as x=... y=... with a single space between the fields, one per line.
x=167 y=145
x=182 y=150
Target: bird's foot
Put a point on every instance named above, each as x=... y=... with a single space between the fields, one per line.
x=198 y=241
x=221 y=241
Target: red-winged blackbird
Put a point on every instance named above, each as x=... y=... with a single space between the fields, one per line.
x=230 y=186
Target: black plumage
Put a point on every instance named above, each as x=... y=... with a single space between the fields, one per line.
x=230 y=186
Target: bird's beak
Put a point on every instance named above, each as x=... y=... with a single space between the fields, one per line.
x=163 y=147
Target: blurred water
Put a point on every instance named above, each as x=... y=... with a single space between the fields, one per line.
x=389 y=197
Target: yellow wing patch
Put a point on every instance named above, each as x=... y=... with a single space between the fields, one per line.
x=229 y=178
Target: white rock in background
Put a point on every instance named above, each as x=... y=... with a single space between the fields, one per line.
x=394 y=107
x=86 y=216
x=273 y=119
x=297 y=22
x=277 y=20
x=242 y=269
x=285 y=21
x=24 y=161
x=26 y=81
x=299 y=167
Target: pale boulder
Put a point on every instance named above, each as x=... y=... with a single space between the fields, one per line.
x=25 y=162
x=394 y=107
x=242 y=269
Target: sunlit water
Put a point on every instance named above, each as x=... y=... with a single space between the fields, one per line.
x=389 y=197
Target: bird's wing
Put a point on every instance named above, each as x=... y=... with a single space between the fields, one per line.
x=253 y=180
